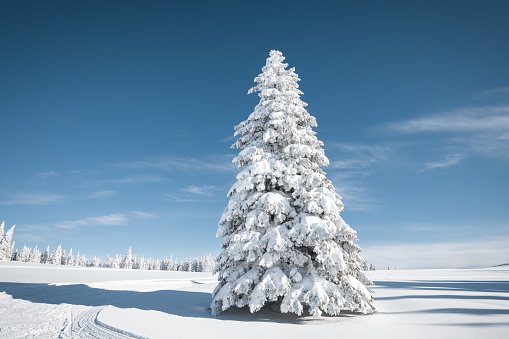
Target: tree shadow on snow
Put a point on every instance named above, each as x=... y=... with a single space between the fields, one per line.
x=448 y=285
x=175 y=302
x=445 y=289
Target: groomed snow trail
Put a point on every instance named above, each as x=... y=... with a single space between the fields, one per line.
x=46 y=301
x=87 y=325
x=25 y=319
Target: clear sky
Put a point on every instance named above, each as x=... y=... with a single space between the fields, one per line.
x=117 y=117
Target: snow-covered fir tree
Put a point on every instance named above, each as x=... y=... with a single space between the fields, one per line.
x=155 y=265
x=116 y=262
x=45 y=256
x=63 y=258
x=6 y=244
x=24 y=254
x=128 y=260
x=14 y=256
x=35 y=255
x=81 y=260
x=96 y=262
x=56 y=256
x=70 y=259
x=77 y=260
x=108 y=262
x=2 y=229
x=284 y=240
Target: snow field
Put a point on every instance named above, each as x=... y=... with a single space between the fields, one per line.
x=45 y=301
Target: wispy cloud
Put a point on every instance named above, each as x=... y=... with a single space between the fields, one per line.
x=447 y=161
x=104 y=220
x=356 y=197
x=480 y=131
x=360 y=158
x=351 y=164
x=475 y=119
x=144 y=215
x=134 y=179
x=205 y=190
x=48 y=174
x=198 y=194
x=220 y=163
x=494 y=94
x=100 y=194
x=479 y=253
x=32 y=199
x=230 y=138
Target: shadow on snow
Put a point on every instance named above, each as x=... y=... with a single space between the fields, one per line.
x=175 y=302
x=446 y=288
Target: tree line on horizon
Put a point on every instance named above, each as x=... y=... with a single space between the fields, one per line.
x=129 y=261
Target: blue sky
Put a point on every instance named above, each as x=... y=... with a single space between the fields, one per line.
x=117 y=117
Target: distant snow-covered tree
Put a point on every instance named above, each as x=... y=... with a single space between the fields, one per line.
x=82 y=261
x=56 y=256
x=127 y=263
x=2 y=229
x=167 y=264
x=63 y=258
x=108 y=262
x=69 y=260
x=208 y=263
x=24 y=254
x=155 y=264
x=6 y=244
x=77 y=260
x=96 y=262
x=45 y=256
x=116 y=262
x=142 y=264
x=35 y=255
x=284 y=240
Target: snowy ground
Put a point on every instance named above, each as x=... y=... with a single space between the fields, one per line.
x=45 y=301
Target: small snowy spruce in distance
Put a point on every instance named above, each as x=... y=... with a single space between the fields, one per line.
x=284 y=241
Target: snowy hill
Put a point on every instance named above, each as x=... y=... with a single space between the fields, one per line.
x=46 y=301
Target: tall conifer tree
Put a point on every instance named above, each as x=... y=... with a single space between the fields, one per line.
x=284 y=241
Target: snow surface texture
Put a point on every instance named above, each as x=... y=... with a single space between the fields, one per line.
x=46 y=301
x=285 y=243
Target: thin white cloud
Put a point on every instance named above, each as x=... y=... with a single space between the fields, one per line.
x=220 y=163
x=230 y=138
x=134 y=179
x=476 y=119
x=478 y=253
x=351 y=164
x=480 y=131
x=205 y=190
x=100 y=194
x=48 y=174
x=361 y=158
x=494 y=94
x=32 y=199
x=447 y=161
x=104 y=220
x=144 y=215
x=356 y=196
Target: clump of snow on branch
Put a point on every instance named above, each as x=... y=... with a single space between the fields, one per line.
x=284 y=240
